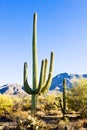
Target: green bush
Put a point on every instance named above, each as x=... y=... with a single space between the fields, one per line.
x=77 y=98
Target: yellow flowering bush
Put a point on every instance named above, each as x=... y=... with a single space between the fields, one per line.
x=6 y=104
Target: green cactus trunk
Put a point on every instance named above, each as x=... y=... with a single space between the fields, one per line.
x=34 y=102
x=35 y=62
x=43 y=85
x=34 y=54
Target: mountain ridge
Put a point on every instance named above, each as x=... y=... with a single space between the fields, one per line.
x=57 y=84
x=57 y=81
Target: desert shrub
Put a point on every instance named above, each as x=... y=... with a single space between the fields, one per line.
x=16 y=103
x=77 y=98
x=23 y=103
x=6 y=104
x=26 y=103
x=50 y=100
x=41 y=103
x=29 y=123
x=46 y=103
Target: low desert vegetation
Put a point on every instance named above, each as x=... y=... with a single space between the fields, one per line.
x=6 y=104
x=77 y=98
x=18 y=109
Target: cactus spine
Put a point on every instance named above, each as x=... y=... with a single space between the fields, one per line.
x=42 y=85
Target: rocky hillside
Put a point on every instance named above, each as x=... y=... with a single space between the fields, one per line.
x=12 y=89
x=57 y=82
x=16 y=89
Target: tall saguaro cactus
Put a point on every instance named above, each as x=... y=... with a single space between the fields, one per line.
x=42 y=85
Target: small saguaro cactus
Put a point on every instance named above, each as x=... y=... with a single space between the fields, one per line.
x=42 y=85
x=62 y=102
x=64 y=95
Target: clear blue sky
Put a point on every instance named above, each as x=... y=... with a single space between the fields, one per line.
x=62 y=28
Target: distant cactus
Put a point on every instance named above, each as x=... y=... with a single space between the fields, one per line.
x=64 y=96
x=62 y=102
x=64 y=110
x=43 y=84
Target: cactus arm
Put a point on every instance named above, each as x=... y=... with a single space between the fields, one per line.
x=60 y=104
x=34 y=56
x=49 y=80
x=28 y=89
x=45 y=70
x=26 y=86
x=41 y=77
